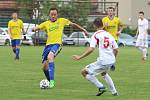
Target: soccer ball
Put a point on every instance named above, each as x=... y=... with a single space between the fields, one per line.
x=44 y=84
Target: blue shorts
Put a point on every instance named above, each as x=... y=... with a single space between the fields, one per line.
x=15 y=42
x=50 y=48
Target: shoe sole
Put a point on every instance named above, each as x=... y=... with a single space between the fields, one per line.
x=99 y=94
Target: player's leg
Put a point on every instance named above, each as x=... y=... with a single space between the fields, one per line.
x=17 y=48
x=91 y=78
x=45 y=69
x=142 y=46
x=110 y=83
x=51 y=68
x=45 y=62
x=89 y=73
x=138 y=45
x=53 y=50
x=145 y=53
x=13 y=46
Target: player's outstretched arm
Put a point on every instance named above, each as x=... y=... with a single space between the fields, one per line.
x=9 y=32
x=137 y=32
x=145 y=34
x=120 y=30
x=23 y=31
x=88 y=51
x=79 y=27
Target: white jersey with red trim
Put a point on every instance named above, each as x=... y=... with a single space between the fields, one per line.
x=106 y=44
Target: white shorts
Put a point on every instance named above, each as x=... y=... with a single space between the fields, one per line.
x=141 y=43
x=97 y=68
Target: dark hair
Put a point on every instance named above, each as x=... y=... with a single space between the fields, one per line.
x=141 y=12
x=98 y=22
x=111 y=8
x=53 y=9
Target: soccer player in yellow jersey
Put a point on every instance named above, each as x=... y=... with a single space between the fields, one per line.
x=54 y=28
x=112 y=24
x=15 y=29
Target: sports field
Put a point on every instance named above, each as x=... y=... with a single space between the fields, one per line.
x=19 y=80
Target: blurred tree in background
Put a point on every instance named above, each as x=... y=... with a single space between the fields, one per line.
x=25 y=8
x=76 y=11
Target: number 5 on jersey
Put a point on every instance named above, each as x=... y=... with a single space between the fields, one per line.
x=106 y=42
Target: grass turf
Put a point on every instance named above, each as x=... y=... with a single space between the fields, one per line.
x=19 y=80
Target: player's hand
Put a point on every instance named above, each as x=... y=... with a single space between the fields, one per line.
x=76 y=57
x=33 y=29
x=118 y=33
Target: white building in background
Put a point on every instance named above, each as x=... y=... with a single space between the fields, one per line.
x=128 y=10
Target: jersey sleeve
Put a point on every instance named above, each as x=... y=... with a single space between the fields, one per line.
x=21 y=24
x=93 y=42
x=42 y=26
x=66 y=21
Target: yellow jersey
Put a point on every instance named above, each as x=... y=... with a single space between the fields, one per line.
x=15 y=28
x=112 y=25
x=54 y=30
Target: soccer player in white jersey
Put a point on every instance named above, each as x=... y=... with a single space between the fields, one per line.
x=108 y=50
x=142 y=35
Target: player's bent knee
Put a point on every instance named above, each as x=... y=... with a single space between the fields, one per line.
x=50 y=57
x=84 y=72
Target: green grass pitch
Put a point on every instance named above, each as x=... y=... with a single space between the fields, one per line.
x=19 y=80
